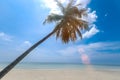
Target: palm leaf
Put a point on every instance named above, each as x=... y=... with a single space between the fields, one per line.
x=69 y=4
x=53 y=18
x=70 y=24
x=83 y=12
x=79 y=33
x=60 y=6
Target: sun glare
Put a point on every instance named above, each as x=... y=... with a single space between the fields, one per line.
x=84 y=57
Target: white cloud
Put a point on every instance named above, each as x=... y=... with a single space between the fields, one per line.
x=92 y=17
x=5 y=37
x=92 y=49
x=24 y=46
x=68 y=51
x=27 y=43
x=52 y=5
x=104 y=46
x=100 y=46
x=102 y=50
x=91 y=32
x=83 y=2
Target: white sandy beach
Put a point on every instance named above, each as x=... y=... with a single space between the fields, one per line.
x=62 y=74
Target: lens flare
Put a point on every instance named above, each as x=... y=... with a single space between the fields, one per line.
x=84 y=57
x=90 y=71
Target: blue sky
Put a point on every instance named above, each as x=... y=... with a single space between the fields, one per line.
x=21 y=26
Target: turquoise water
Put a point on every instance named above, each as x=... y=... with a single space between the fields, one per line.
x=58 y=66
x=44 y=65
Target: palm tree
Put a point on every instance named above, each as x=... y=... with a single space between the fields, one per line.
x=68 y=27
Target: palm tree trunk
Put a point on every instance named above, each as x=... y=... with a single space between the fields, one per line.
x=17 y=60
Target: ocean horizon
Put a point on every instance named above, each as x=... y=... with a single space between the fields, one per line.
x=39 y=65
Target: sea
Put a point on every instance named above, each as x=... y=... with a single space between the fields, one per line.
x=39 y=65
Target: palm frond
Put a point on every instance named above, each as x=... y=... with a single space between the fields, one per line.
x=72 y=11
x=69 y=28
x=83 y=11
x=79 y=33
x=75 y=11
x=59 y=25
x=60 y=6
x=73 y=36
x=76 y=30
x=70 y=4
x=53 y=18
x=70 y=24
x=83 y=25
x=65 y=34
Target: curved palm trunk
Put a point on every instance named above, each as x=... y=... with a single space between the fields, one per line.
x=17 y=60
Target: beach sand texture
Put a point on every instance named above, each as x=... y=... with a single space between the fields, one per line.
x=62 y=74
